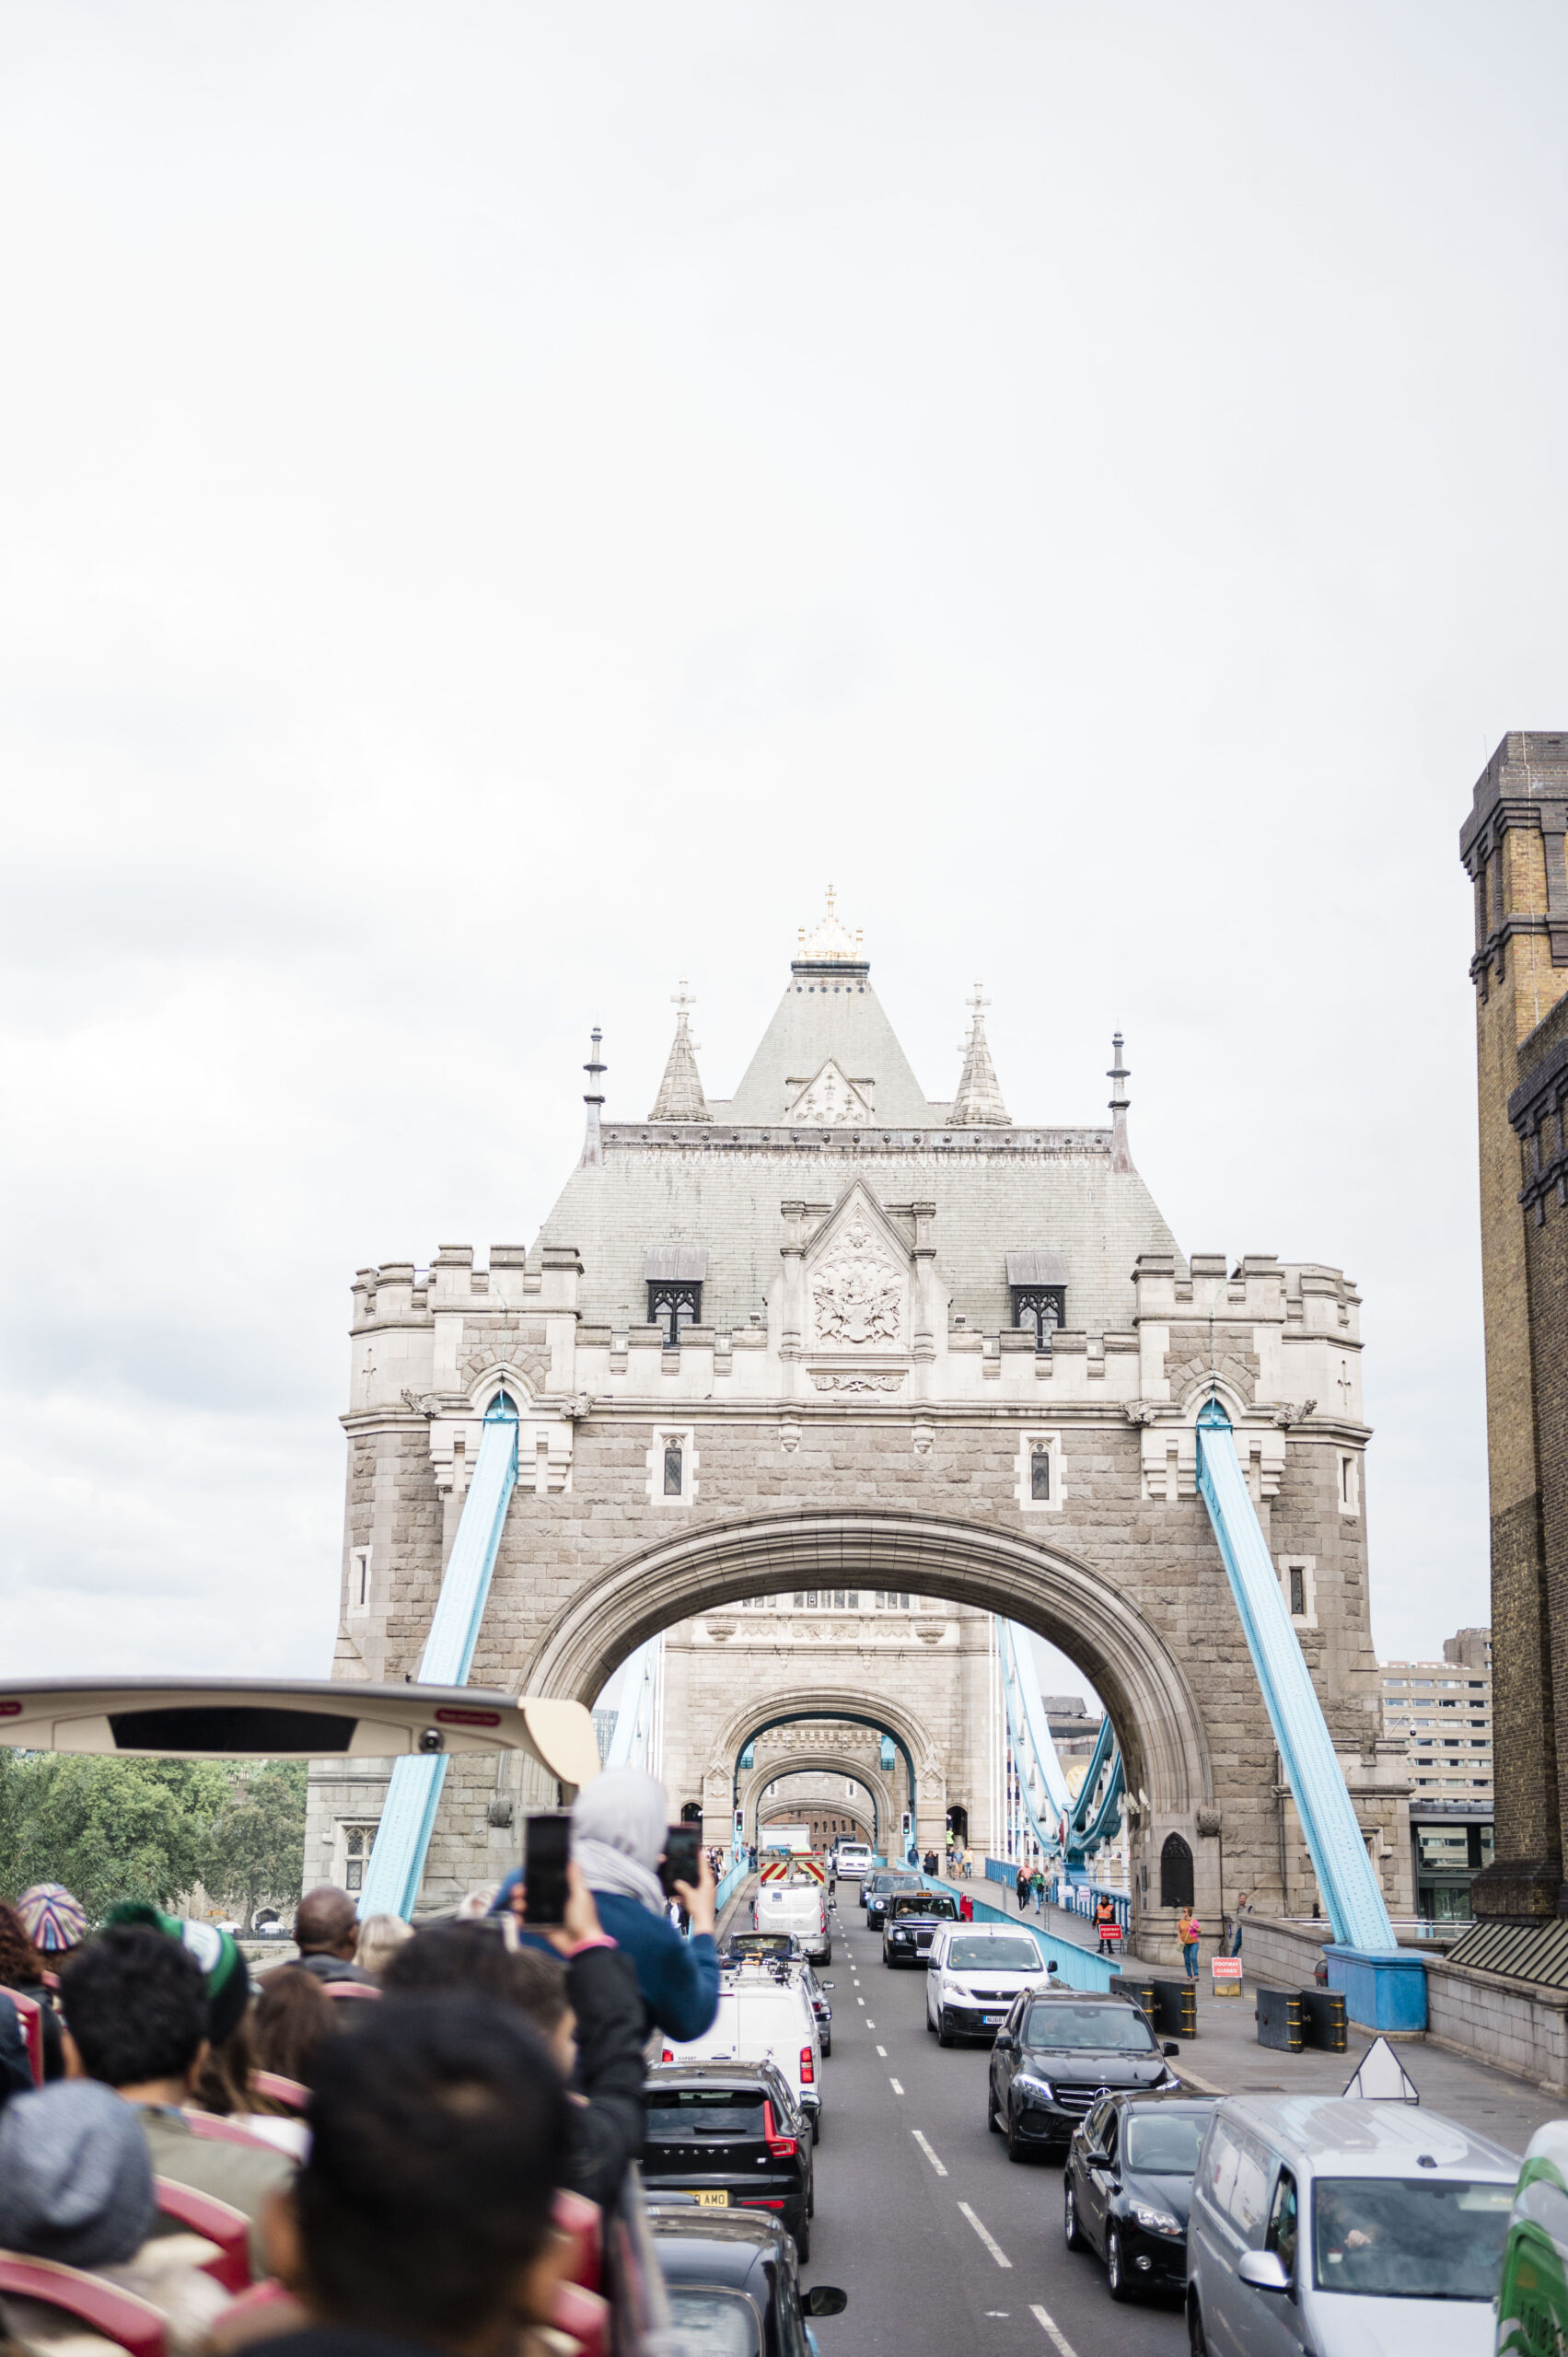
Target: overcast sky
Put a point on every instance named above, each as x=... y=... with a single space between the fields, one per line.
x=503 y=504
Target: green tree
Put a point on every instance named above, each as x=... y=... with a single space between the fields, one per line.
x=109 y=1829
x=254 y=1846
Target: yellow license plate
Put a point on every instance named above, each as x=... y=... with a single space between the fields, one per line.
x=709 y=2200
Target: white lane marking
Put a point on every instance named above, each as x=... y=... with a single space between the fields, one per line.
x=1048 y=2324
x=987 y=2237
x=860 y=2001
x=894 y=2084
x=883 y=2052
x=927 y=2150
x=870 y=2025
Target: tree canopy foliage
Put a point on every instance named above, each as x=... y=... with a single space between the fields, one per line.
x=113 y=1829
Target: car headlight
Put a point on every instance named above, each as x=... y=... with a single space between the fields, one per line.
x=1033 y=2086
x=1156 y=2222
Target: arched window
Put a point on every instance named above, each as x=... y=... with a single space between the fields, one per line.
x=1176 y=1872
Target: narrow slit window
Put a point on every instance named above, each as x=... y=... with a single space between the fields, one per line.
x=1039 y=1473
x=673 y=1466
x=1297 y=1592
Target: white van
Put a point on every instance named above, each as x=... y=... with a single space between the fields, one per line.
x=1342 y=2225
x=763 y=2016
x=798 y=1908
x=854 y=1859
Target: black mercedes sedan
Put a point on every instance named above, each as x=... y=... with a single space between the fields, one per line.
x=729 y=2134
x=1127 y=2187
x=908 y=1926
x=878 y=1890
x=1056 y=2054
x=733 y=2284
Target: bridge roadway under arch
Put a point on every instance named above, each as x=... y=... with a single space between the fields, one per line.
x=877 y=1817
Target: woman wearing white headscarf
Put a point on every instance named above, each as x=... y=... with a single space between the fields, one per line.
x=618 y=1835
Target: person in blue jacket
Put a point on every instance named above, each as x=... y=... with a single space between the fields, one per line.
x=618 y=1834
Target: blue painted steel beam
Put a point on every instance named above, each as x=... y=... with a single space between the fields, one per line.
x=1105 y=1743
x=633 y=1736
x=1345 y=1876
x=402 y=1838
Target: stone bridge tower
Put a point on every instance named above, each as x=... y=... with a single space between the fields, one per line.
x=829 y=1333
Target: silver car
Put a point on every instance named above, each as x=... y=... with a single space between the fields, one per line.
x=1344 y=2227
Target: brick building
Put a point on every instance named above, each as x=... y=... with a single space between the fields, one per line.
x=1511 y=845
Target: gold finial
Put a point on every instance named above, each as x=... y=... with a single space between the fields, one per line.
x=830 y=943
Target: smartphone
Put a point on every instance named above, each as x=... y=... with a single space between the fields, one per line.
x=547 y=1845
x=682 y=1851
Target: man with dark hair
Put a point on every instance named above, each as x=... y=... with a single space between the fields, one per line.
x=136 y=2017
x=584 y=2003
x=421 y=2217
x=326 y=1930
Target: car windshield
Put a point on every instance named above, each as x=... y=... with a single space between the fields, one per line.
x=1409 y=2238
x=944 y=1906
x=885 y=1883
x=1164 y=2143
x=995 y=1956
x=717 y=2324
x=703 y=2111
x=1054 y=2024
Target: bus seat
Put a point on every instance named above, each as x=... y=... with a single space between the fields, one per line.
x=219 y=2222
x=119 y=2318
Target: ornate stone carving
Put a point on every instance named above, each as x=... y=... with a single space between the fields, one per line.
x=827 y=1379
x=831 y=1098
x=1140 y=1412
x=1288 y=1413
x=923 y=1438
x=856 y=1290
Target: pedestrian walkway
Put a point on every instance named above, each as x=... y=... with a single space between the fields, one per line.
x=1227 y=2059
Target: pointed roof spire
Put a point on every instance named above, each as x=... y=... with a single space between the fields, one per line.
x=680 y=1096
x=593 y=1097
x=1121 y=1151
x=979 y=1101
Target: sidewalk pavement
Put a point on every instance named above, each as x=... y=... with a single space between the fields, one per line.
x=1225 y=2058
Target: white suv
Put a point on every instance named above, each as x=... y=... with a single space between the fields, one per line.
x=854 y=1859
x=976 y=1971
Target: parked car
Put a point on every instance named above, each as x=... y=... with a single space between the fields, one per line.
x=729 y=2134
x=1128 y=2186
x=881 y=1887
x=733 y=2284
x=911 y=1922
x=1343 y=2225
x=1060 y=2050
x=799 y=1908
x=854 y=1859
x=764 y=2014
x=976 y=1971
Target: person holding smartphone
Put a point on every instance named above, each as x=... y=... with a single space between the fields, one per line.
x=619 y=1837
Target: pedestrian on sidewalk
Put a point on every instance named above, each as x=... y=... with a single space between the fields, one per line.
x=1188 y=1930
x=1023 y=1890
x=1233 y=1947
x=1107 y=1929
x=1037 y=1889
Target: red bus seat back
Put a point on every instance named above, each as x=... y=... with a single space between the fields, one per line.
x=582 y=2222
x=119 y=2317
x=219 y=2222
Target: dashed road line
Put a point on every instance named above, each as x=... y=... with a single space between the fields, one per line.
x=927 y=2150
x=987 y=2237
x=894 y=2084
x=1049 y=2323
x=860 y=2001
x=883 y=2052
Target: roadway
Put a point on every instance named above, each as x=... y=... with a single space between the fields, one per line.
x=940 y=2241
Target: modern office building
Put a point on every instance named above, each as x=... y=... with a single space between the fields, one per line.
x=1442 y=1710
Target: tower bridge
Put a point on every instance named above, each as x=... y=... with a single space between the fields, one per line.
x=831 y=1337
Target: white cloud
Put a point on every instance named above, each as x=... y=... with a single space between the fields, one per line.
x=501 y=504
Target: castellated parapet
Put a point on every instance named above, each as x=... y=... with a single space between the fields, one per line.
x=870 y=1355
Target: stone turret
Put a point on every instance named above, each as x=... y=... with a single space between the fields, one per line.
x=680 y=1096
x=979 y=1101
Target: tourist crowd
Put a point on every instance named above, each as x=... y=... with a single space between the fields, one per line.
x=394 y=2126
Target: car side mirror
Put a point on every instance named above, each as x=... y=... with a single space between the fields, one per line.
x=1097 y=2157
x=824 y=1984
x=825 y=2300
x=1005 y=2042
x=1264 y=2269
x=1171 y=2046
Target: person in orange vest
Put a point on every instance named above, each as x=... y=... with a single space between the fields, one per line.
x=1107 y=1929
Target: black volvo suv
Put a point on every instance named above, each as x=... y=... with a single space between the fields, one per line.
x=729 y=2134
x=1056 y=2054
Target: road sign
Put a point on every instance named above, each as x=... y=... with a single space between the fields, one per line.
x=1226 y=1971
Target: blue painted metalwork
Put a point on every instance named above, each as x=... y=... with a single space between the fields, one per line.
x=402 y=1838
x=1350 y=1888
x=1043 y=1787
x=630 y=1744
